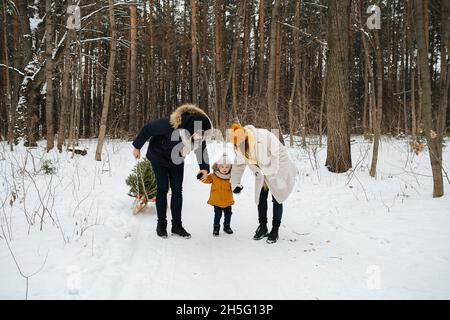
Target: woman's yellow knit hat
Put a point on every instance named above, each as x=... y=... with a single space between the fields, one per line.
x=237 y=134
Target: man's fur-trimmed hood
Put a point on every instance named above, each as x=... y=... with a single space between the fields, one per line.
x=176 y=116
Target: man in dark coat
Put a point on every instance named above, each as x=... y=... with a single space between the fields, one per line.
x=167 y=149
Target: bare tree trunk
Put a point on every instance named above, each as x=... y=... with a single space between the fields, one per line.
x=413 y=105
x=49 y=74
x=322 y=104
x=245 y=57
x=152 y=84
x=304 y=105
x=278 y=63
x=409 y=35
x=420 y=111
x=434 y=139
x=77 y=95
x=271 y=81
x=369 y=80
x=365 y=124
x=17 y=61
x=291 y=111
x=445 y=78
x=218 y=61
x=65 y=101
x=194 y=52
x=261 y=21
x=296 y=82
x=338 y=150
x=378 y=111
x=405 y=66
x=132 y=126
x=109 y=82
x=234 y=58
x=9 y=108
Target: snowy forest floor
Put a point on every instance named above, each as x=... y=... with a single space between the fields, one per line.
x=343 y=236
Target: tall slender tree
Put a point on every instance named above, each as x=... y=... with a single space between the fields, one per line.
x=133 y=68
x=434 y=142
x=378 y=108
x=271 y=78
x=109 y=82
x=337 y=101
x=49 y=73
x=7 y=93
x=194 y=54
x=261 y=23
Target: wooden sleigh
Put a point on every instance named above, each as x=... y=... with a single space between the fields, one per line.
x=142 y=202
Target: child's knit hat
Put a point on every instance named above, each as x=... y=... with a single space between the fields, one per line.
x=222 y=160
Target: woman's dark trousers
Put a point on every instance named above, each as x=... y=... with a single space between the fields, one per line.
x=262 y=209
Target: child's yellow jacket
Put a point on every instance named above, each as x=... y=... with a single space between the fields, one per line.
x=221 y=194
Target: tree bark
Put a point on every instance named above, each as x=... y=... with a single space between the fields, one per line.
x=271 y=81
x=295 y=83
x=109 y=82
x=194 y=52
x=133 y=68
x=234 y=58
x=378 y=110
x=218 y=61
x=49 y=74
x=432 y=134
x=444 y=74
x=65 y=101
x=245 y=57
x=413 y=106
x=338 y=150
x=9 y=108
x=261 y=22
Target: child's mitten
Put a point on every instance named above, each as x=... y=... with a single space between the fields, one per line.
x=238 y=189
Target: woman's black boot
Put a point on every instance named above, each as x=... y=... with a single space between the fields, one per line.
x=261 y=232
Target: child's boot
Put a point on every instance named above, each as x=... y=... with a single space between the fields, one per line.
x=216 y=230
x=227 y=229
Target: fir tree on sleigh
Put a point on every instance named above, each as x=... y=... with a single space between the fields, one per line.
x=142 y=183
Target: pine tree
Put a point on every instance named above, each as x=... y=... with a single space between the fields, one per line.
x=142 y=183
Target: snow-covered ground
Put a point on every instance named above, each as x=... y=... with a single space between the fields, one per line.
x=343 y=236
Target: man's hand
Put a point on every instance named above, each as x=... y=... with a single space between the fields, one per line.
x=238 y=189
x=202 y=175
x=136 y=153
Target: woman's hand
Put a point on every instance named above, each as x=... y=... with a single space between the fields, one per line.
x=202 y=175
x=136 y=153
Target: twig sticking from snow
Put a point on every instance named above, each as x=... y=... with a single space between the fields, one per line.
x=25 y=276
x=387 y=206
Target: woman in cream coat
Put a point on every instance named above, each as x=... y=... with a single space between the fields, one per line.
x=268 y=159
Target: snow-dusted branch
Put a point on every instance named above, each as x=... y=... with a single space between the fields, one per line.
x=12 y=68
x=315 y=5
x=88 y=16
x=323 y=43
